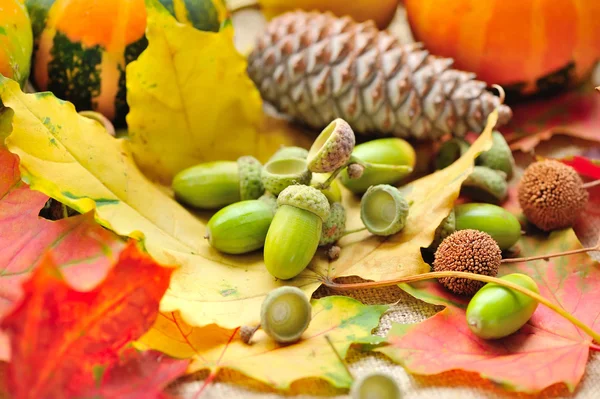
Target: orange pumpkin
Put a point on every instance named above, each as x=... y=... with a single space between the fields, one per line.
x=525 y=45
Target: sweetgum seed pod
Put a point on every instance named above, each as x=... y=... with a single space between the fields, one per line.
x=496 y=312
x=389 y=161
x=469 y=251
x=241 y=227
x=500 y=224
x=551 y=195
x=285 y=314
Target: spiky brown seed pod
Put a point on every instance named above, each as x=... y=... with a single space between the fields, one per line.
x=316 y=67
x=551 y=195
x=470 y=251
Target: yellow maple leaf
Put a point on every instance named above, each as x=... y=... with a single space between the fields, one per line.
x=72 y=159
x=343 y=319
x=191 y=100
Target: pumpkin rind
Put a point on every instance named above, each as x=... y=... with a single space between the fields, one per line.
x=525 y=46
x=16 y=41
x=82 y=47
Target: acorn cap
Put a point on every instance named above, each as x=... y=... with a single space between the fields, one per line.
x=249 y=169
x=335 y=225
x=486 y=185
x=499 y=157
x=551 y=195
x=269 y=199
x=285 y=314
x=333 y=148
x=289 y=152
x=281 y=173
x=471 y=251
x=450 y=152
x=375 y=384
x=307 y=198
x=447 y=227
x=383 y=210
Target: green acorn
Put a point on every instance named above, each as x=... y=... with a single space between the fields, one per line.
x=499 y=157
x=447 y=227
x=213 y=185
x=486 y=185
x=450 y=152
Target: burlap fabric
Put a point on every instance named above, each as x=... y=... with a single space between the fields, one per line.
x=404 y=309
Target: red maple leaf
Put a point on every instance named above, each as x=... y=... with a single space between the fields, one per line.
x=575 y=113
x=60 y=336
x=546 y=351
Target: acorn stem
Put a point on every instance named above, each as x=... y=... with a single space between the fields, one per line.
x=471 y=276
x=538 y=257
x=592 y=184
x=337 y=354
x=325 y=185
x=347 y=232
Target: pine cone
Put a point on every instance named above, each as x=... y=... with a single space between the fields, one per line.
x=317 y=67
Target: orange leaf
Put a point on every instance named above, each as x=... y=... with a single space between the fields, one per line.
x=137 y=375
x=60 y=336
x=77 y=242
x=575 y=113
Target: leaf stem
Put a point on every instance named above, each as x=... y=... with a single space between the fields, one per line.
x=358 y=230
x=595 y=347
x=592 y=184
x=337 y=354
x=471 y=276
x=538 y=257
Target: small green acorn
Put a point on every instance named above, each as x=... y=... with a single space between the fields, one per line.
x=333 y=192
x=289 y=152
x=241 y=227
x=486 y=185
x=499 y=157
x=375 y=385
x=383 y=210
x=496 y=221
x=335 y=225
x=281 y=173
x=387 y=161
x=295 y=231
x=285 y=314
x=496 y=312
x=450 y=152
x=447 y=227
x=213 y=185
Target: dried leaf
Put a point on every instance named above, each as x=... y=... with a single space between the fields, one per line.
x=546 y=351
x=344 y=320
x=61 y=337
x=191 y=100
x=57 y=159
x=575 y=113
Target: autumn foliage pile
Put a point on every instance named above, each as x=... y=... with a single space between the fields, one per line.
x=125 y=297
